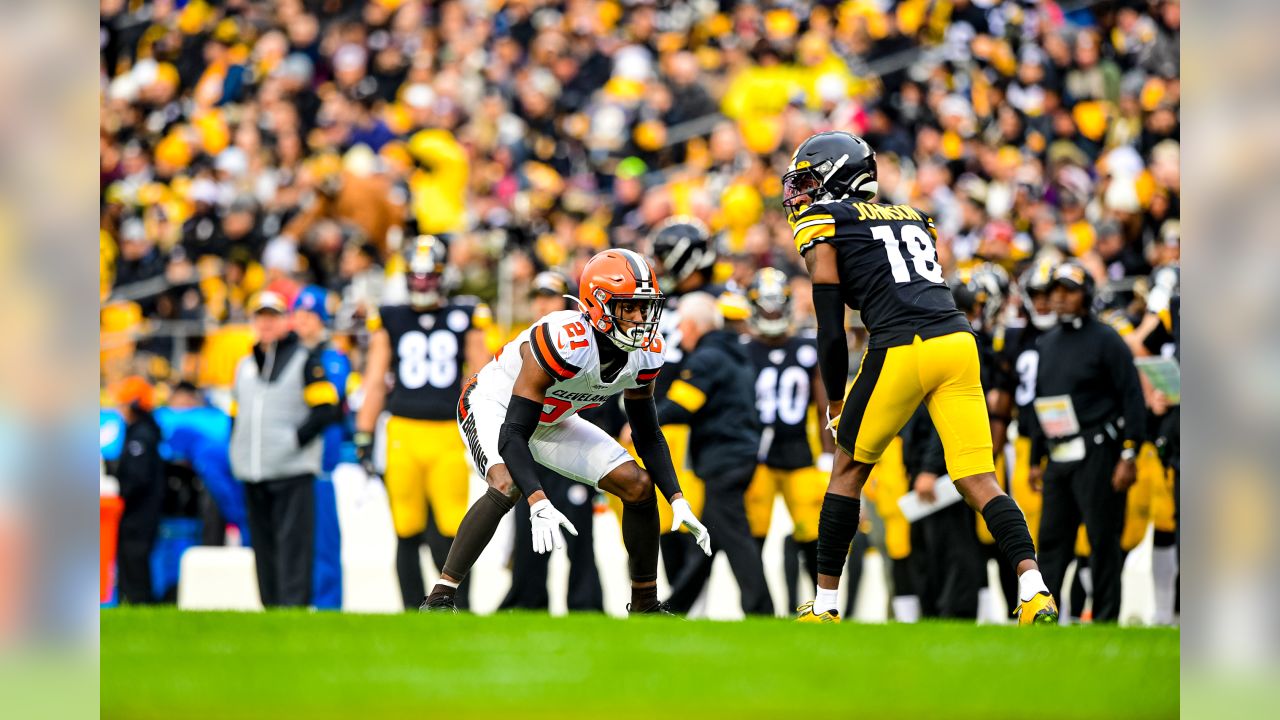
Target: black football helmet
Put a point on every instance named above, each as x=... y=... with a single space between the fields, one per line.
x=984 y=288
x=682 y=246
x=829 y=166
x=426 y=275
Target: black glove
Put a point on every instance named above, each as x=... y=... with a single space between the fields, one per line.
x=364 y=452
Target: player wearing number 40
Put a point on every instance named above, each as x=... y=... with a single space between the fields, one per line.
x=522 y=409
x=426 y=349
x=881 y=260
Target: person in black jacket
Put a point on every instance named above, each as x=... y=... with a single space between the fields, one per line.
x=1090 y=418
x=715 y=395
x=141 y=476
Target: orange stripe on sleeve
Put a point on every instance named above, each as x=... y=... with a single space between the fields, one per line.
x=548 y=358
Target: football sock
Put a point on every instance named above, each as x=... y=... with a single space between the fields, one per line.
x=475 y=531
x=837 y=524
x=825 y=600
x=448 y=584
x=643 y=597
x=906 y=608
x=1030 y=583
x=409 y=571
x=1164 y=570
x=1009 y=528
x=640 y=536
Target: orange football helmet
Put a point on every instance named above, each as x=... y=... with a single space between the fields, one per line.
x=611 y=278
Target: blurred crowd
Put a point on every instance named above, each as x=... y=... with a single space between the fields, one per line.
x=250 y=145
x=263 y=159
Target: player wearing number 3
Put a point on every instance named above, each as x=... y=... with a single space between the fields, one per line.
x=522 y=407
x=425 y=348
x=881 y=260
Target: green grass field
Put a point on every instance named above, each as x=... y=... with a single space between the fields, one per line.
x=167 y=664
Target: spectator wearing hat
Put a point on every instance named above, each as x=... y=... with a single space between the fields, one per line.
x=141 y=476
x=281 y=402
x=311 y=322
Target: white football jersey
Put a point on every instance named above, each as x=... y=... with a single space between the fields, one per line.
x=564 y=345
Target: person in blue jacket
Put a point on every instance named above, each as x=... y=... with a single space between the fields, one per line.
x=311 y=322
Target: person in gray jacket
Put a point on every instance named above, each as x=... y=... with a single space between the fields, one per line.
x=281 y=402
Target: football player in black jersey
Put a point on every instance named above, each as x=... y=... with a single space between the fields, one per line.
x=787 y=385
x=424 y=349
x=881 y=260
x=1016 y=341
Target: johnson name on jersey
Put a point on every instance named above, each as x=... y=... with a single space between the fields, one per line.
x=564 y=345
x=888 y=268
x=785 y=377
x=427 y=355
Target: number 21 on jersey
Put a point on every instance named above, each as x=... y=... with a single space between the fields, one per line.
x=924 y=257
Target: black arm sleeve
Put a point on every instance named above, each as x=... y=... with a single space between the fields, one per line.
x=651 y=444
x=513 y=443
x=318 y=418
x=833 y=348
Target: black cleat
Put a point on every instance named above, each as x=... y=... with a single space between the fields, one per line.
x=438 y=603
x=661 y=608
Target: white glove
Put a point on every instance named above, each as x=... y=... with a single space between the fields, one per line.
x=546 y=521
x=825 y=461
x=833 y=423
x=682 y=514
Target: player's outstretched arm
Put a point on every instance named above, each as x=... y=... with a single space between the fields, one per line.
x=828 y=306
x=523 y=413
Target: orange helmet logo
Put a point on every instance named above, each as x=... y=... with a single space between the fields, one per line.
x=619 y=293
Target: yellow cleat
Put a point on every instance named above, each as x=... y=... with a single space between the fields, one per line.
x=1039 y=610
x=807 y=615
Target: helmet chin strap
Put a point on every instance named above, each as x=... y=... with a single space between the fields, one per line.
x=581 y=305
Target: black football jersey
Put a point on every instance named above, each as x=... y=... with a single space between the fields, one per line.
x=427 y=355
x=1016 y=346
x=785 y=378
x=888 y=266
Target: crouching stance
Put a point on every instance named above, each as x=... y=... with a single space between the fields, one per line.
x=522 y=408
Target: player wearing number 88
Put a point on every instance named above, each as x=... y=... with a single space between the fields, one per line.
x=522 y=408
x=881 y=260
x=426 y=347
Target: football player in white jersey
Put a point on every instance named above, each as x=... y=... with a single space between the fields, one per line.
x=523 y=408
